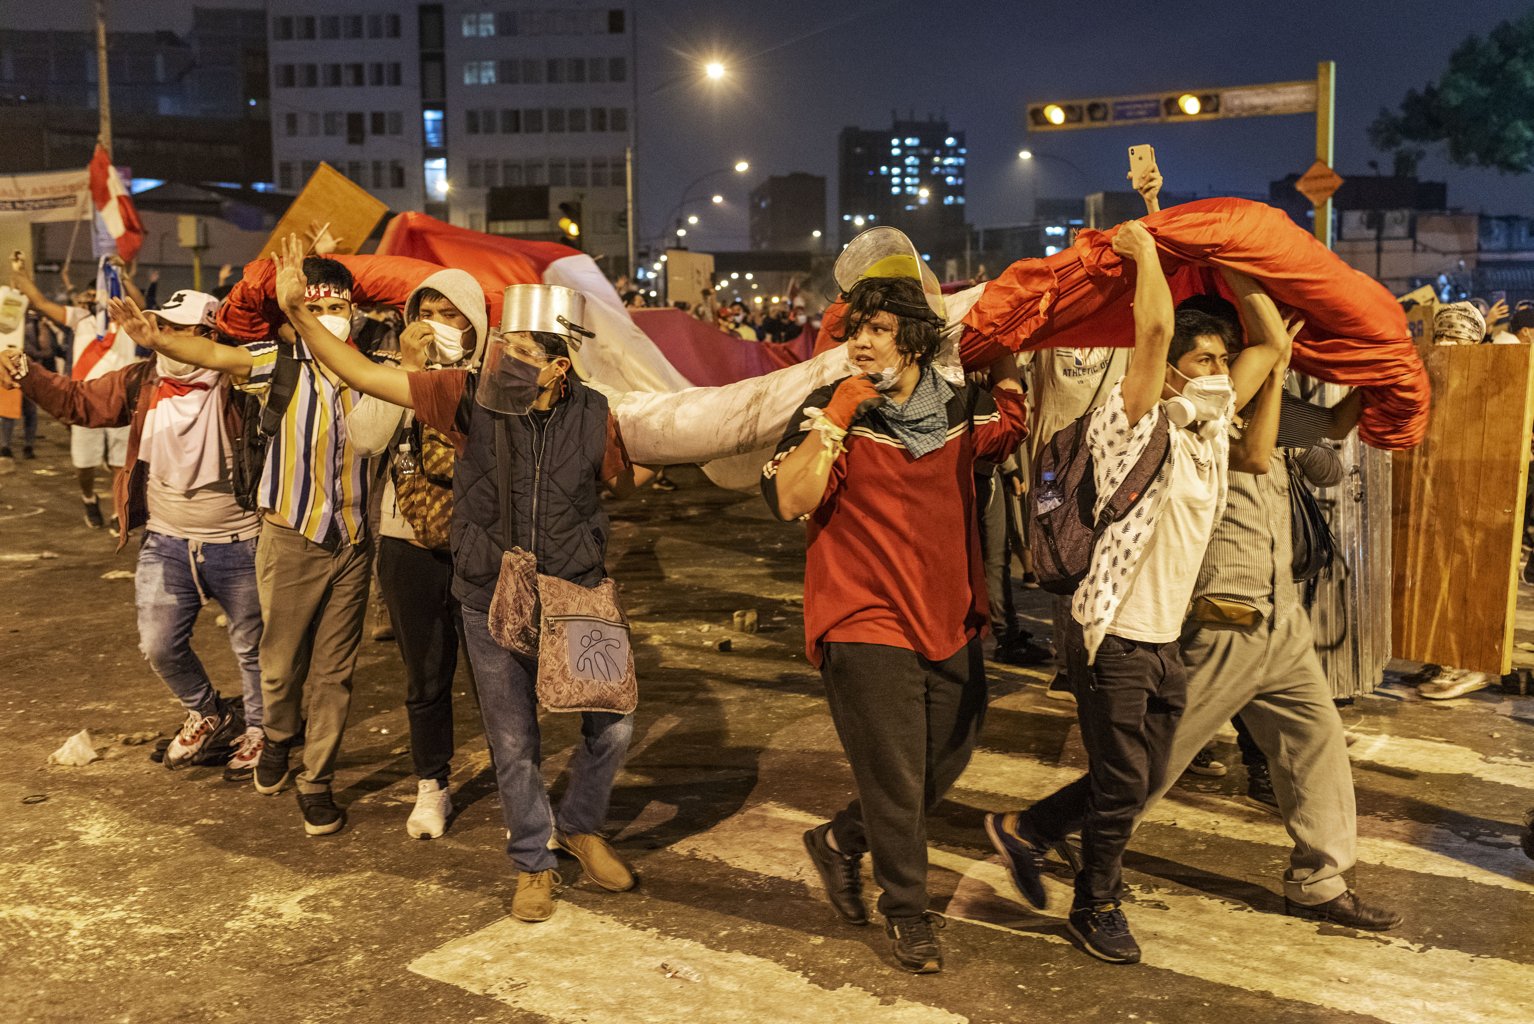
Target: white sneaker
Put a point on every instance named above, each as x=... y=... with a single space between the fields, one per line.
x=432 y=807
x=246 y=753
x=190 y=739
x=1454 y=684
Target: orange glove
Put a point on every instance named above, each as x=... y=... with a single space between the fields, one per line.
x=852 y=398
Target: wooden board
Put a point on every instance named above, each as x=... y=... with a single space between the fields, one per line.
x=687 y=274
x=329 y=197
x=1457 y=510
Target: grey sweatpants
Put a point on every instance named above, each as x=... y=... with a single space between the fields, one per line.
x=1271 y=675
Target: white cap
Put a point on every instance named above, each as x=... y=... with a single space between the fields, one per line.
x=187 y=308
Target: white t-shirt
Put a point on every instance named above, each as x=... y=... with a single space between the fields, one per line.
x=84 y=326
x=1156 y=604
x=1065 y=381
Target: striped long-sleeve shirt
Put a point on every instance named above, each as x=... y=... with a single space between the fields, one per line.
x=314 y=475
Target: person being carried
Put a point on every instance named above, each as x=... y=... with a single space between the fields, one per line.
x=895 y=606
x=198 y=542
x=529 y=433
x=1127 y=614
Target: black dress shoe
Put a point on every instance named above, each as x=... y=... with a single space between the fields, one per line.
x=841 y=874
x=1347 y=910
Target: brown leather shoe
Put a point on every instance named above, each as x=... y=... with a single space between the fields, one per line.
x=534 y=899
x=1347 y=910
x=599 y=860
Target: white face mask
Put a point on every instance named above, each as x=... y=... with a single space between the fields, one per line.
x=340 y=326
x=1203 y=399
x=172 y=370
x=447 y=346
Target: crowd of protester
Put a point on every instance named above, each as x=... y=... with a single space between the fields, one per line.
x=465 y=466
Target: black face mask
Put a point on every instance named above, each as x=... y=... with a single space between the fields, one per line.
x=516 y=383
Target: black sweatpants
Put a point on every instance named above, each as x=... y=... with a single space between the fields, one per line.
x=417 y=589
x=1128 y=704
x=908 y=726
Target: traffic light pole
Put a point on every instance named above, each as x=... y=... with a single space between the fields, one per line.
x=1326 y=116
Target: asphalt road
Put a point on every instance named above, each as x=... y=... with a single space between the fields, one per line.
x=131 y=893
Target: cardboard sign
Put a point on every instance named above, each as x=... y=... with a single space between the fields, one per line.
x=331 y=206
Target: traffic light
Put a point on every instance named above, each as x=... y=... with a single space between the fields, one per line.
x=1184 y=105
x=570 y=224
x=1081 y=114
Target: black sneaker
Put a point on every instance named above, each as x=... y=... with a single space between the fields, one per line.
x=321 y=815
x=1259 y=787
x=28 y=453
x=5 y=452
x=1020 y=650
x=1104 y=932
x=1527 y=839
x=1347 y=910
x=1204 y=763
x=1024 y=859
x=840 y=873
x=93 y=514
x=271 y=772
x=114 y=527
x=915 y=943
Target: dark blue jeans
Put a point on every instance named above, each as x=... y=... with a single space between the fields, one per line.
x=510 y=708
x=175 y=578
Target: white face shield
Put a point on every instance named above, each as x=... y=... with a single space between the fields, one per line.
x=514 y=360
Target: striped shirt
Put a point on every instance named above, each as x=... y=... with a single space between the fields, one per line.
x=314 y=475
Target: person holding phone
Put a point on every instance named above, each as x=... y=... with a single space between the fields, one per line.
x=880 y=463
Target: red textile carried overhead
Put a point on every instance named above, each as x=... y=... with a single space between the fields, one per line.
x=707 y=356
x=494 y=260
x=1355 y=332
x=250 y=312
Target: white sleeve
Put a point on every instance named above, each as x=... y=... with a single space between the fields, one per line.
x=372 y=424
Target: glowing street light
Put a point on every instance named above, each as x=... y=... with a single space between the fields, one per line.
x=1025 y=154
x=742 y=166
x=714 y=70
x=681 y=232
x=716 y=199
x=816 y=233
x=923 y=193
x=692 y=218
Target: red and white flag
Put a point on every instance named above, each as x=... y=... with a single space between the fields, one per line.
x=115 y=206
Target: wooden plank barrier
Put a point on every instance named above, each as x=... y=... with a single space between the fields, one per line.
x=1457 y=510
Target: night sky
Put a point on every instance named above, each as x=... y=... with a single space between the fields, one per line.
x=800 y=70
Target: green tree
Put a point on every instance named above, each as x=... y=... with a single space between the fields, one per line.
x=1482 y=107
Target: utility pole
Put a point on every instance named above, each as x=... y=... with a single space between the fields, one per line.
x=103 y=96
x=1326 y=112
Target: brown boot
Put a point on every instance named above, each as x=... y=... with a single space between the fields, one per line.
x=599 y=860
x=534 y=899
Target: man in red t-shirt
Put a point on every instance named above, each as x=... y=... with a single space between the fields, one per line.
x=881 y=464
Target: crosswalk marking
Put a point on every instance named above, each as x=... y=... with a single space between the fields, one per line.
x=1406 y=845
x=582 y=965
x=1432 y=757
x=1203 y=937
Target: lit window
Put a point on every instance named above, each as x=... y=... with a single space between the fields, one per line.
x=435 y=170
x=431 y=127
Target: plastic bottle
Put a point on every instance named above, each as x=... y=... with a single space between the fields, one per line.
x=677 y=969
x=1049 y=497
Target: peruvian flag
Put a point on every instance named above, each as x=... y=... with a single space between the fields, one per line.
x=114 y=206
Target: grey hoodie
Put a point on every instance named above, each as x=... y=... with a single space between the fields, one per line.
x=374 y=424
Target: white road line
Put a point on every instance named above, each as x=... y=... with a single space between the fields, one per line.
x=1198 y=936
x=1436 y=758
x=1404 y=845
x=584 y=966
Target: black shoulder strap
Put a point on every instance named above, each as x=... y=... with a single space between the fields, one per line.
x=280 y=394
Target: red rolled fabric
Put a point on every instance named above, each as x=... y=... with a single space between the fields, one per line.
x=250 y=312
x=1355 y=332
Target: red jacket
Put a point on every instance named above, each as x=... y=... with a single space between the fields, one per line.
x=893 y=554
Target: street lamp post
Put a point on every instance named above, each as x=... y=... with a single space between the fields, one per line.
x=739 y=167
x=1028 y=156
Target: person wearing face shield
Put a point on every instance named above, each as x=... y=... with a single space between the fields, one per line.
x=445 y=327
x=881 y=464
x=198 y=542
x=314 y=555
x=535 y=446
x=1122 y=652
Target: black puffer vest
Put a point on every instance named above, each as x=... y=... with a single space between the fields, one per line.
x=551 y=484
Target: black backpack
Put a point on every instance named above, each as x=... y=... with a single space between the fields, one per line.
x=252 y=422
x=1063 y=501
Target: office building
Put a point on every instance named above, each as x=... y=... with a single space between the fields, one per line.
x=911 y=176
x=788 y=213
